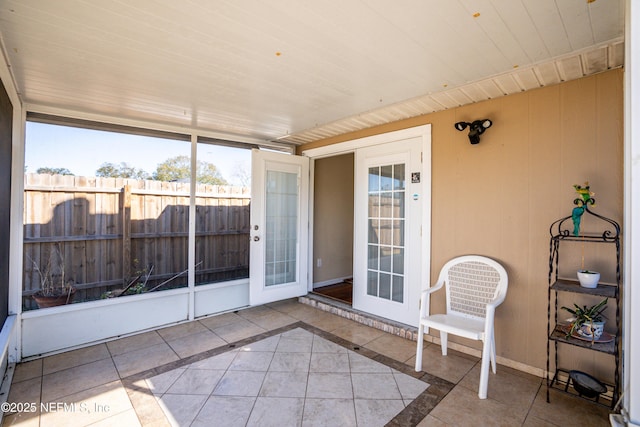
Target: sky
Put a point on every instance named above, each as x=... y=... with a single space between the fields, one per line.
x=83 y=151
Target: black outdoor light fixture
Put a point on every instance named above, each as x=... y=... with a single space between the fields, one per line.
x=476 y=128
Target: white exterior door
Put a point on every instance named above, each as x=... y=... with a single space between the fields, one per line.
x=388 y=227
x=279 y=227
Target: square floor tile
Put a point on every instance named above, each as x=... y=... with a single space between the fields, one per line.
x=276 y=412
x=251 y=361
x=329 y=412
x=196 y=343
x=27 y=370
x=227 y=411
x=327 y=385
x=375 y=386
x=284 y=384
x=135 y=342
x=181 y=330
x=73 y=358
x=159 y=384
x=290 y=362
x=240 y=383
x=73 y=380
x=329 y=362
x=237 y=331
x=144 y=359
x=221 y=361
x=196 y=381
x=181 y=409
x=374 y=413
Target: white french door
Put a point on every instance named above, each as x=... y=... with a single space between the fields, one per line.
x=279 y=227
x=388 y=219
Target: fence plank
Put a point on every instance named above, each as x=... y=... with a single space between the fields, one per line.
x=126 y=234
x=83 y=217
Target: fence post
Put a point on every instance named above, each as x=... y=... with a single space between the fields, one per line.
x=125 y=205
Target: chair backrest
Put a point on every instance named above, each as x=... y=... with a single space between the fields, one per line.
x=471 y=282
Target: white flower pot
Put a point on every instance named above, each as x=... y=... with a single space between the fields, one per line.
x=588 y=279
x=592 y=330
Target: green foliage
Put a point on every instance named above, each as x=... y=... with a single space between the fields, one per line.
x=122 y=170
x=54 y=171
x=179 y=168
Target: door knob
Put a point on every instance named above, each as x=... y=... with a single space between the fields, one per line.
x=256 y=238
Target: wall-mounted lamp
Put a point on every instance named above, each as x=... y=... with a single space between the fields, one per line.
x=476 y=128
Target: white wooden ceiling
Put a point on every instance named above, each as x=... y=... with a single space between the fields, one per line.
x=297 y=70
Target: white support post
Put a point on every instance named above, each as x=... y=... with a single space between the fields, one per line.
x=192 y=228
x=631 y=277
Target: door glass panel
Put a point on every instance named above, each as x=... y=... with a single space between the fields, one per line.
x=386 y=177
x=385 y=232
x=373 y=257
x=398 y=288
x=281 y=233
x=398 y=177
x=385 y=286
x=386 y=215
x=372 y=282
x=374 y=179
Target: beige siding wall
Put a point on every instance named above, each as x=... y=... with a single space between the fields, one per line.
x=498 y=198
x=333 y=218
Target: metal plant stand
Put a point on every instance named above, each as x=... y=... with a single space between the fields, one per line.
x=561 y=232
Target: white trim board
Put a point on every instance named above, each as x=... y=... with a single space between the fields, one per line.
x=367 y=141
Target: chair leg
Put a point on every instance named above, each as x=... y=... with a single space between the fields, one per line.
x=419 y=348
x=493 y=354
x=444 y=338
x=484 y=369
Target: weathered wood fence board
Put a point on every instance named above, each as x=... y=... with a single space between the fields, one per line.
x=109 y=229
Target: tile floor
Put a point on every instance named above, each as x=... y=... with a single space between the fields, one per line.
x=280 y=364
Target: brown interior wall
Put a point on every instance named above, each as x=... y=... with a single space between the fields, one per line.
x=498 y=198
x=333 y=218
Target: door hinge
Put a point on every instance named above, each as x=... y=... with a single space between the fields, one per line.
x=421 y=157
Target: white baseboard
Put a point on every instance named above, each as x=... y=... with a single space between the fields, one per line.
x=500 y=360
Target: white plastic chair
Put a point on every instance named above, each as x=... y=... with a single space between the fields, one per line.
x=475 y=286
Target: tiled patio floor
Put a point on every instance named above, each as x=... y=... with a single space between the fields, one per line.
x=280 y=364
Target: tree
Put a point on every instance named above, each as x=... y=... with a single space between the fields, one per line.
x=179 y=168
x=242 y=174
x=123 y=170
x=54 y=171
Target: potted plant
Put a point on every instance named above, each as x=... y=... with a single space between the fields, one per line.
x=55 y=288
x=587 y=322
x=588 y=278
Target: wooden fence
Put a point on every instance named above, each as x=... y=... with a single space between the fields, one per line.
x=109 y=230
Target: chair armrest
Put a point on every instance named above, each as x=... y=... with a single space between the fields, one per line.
x=423 y=296
x=499 y=299
x=491 y=311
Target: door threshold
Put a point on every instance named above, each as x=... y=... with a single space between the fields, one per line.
x=345 y=310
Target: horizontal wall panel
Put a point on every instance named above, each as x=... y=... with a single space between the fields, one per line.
x=58 y=328
x=220 y=299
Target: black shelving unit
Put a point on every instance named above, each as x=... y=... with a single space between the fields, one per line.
x=561 y=231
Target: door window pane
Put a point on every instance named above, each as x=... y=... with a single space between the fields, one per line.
x=281 y=231
x=398 y=288
x=385 y=286
x=372 y=283
x=374 y=179
x=386 y=221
